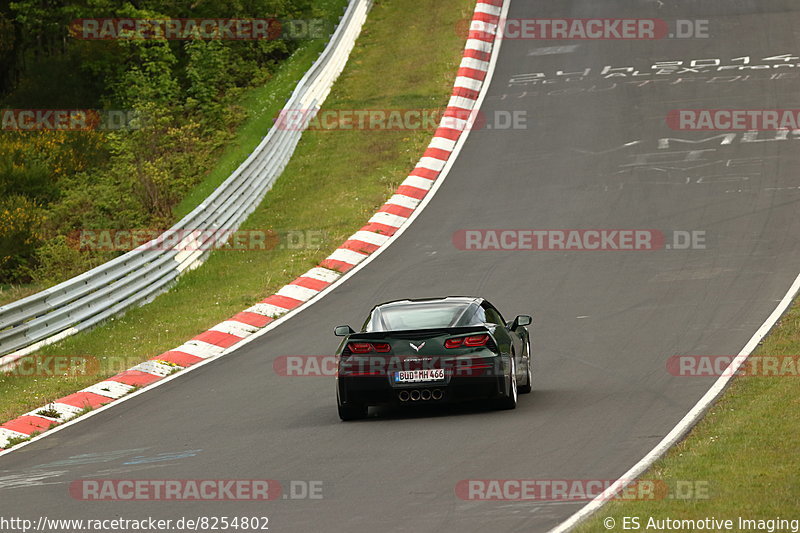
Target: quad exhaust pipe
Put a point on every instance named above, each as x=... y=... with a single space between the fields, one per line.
x=416 y=395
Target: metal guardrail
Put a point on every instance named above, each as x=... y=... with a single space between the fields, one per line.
x=141 y=274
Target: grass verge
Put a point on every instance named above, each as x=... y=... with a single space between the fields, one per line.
x=407 y=57
x=743 y=453
x=12 y=293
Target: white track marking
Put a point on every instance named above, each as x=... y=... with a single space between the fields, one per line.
x=322 y=274
x=152 y=366
x=234 y=327
x=351 y=257
x=297 y=292
x=269 y=310
x=403 y=201
x=418 y=182
x=388 y=219
x=109 y=389
x=369 y=237
x=468 y=83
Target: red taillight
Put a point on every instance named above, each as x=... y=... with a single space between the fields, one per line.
x=366 y=347
x=476 y=340
x=471 y=341
x=360 y=347
x=454 y=343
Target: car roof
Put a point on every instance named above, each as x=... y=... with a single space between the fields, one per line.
x=455 y=300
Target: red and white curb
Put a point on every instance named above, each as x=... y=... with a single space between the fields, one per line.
x=379 y=229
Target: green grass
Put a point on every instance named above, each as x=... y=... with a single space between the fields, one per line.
x=745 y=450
x=12 y=293
x=406 y=57
x=19 y=440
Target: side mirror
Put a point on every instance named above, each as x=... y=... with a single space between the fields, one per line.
x=522 y=320
x=342 y=331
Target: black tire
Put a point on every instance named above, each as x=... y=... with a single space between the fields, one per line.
x=510 y=401
x=352 y=412
x=528 y=387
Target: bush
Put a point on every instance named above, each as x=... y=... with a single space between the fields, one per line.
x=58 y=259
x=20 y=235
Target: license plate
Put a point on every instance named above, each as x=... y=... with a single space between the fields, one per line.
x=416 y=376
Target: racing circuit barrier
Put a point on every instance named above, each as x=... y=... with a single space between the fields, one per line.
x=138 y=276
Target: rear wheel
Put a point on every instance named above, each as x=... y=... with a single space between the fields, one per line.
x=351 y=411
x=528 y=386
x=510 y=400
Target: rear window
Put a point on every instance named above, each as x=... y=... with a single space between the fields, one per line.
x=418 y=316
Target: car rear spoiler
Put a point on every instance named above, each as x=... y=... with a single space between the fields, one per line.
x=419 y=333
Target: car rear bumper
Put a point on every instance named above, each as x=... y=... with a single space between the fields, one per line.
x=377 y=390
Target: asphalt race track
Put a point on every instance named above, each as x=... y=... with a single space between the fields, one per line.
x=605 y=322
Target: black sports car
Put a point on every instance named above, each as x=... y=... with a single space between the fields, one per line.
x=414 y=352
